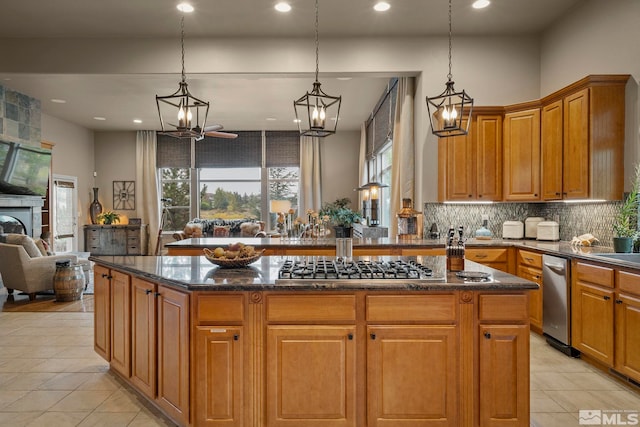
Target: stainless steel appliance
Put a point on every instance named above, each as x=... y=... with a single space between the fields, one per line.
x=378 y=271
x=556 y=303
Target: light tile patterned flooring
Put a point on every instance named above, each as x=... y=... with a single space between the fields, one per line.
x=50 y=376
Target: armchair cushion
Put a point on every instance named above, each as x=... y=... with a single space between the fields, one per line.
x=25 y=241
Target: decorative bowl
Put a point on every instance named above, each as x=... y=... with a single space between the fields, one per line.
x=232 y=263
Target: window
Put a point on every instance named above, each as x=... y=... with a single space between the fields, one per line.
x=230 y=176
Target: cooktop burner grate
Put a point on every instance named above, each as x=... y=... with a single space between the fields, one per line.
x=331 y=269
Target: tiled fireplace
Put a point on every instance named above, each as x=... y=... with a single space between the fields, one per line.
x=24 y=210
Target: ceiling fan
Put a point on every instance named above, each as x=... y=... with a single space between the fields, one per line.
x=214 y=131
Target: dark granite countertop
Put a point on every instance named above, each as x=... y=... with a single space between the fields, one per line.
x=195 y=273
x=274 y=243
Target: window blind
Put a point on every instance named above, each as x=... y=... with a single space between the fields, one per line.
x=282 y=149
x=173 y=152
x=244 y=151
x=380 y=125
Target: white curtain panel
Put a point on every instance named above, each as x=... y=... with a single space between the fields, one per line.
x=362 y=163
x=402 y=166
x=147 y=182
x=310 y=195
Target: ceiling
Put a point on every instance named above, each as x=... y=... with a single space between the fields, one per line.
x=239 y=102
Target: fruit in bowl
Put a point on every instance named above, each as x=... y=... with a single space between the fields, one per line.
x=236 y=255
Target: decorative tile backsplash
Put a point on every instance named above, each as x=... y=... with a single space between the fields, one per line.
x=574 y=218
x=20 y=117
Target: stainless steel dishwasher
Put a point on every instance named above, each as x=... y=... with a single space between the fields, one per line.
x=556 y=303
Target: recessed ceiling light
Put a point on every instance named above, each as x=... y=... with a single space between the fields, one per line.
x=382 y=6
x=58 y=101
x=271 y=119
x=137 y=121
x=283 y=7
x=480 y=4
x=6 y=79
x=296 y=120
x=344 y=79
x=100 y=118
x=185 y=7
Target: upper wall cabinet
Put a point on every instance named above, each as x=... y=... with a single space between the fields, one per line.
x=470 y=166
x=522 y=155
x=583 y=125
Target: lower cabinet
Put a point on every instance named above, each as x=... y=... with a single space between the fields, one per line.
x=503 y=355
x=411 y=379
x=592 y=307
x=102 y=312
x=311 y=376
x=529 y=266
x=499 y=258
x=627 y=311
x=121 y=323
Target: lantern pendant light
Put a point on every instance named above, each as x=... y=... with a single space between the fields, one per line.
x=316 y=107
x=182 y=115
x=450 y=112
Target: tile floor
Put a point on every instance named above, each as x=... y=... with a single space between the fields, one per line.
x=50 y=376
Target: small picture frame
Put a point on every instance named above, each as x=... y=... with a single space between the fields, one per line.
x=135 y=221
x=124 y=195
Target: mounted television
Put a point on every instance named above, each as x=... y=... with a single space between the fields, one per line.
x=24 y=169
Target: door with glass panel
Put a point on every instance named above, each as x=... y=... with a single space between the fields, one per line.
x=64 y=232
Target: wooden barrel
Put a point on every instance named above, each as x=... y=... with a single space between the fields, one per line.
x=68 y=282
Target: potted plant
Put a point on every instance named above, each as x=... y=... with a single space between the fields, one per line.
x=341 y=216
x=625 y=224
x=109 y=217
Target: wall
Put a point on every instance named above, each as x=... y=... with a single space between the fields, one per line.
x=115 y=154
x=340 y=167
x=597 y=37
x=73 y=155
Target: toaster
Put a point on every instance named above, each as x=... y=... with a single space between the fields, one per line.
x=548 y=230
x=512 y=230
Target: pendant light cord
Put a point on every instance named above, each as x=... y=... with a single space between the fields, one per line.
x=449 y=76
x=317 y=44
x=184 y=78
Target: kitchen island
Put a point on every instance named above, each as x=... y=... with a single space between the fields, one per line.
x=211 y=346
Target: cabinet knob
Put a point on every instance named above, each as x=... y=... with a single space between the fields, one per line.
x=487 y=335
x=618 y=301
x=236 y=337
x=350 y=336
x=147 y=291
x=557 y=194
x=373 y=336
x=157 y=294
x=606 y=297
x=105 y=275
x=479 y=195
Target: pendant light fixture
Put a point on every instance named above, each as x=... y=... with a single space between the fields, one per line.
x=182 y=115
x=450 y=112
x=316 y=107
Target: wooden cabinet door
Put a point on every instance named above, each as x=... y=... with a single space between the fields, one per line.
x=102 y=312
x=535 y=296
x=143 y=336
x=576 y=145
x=592 y=321
x=522 y=155
x=311 y=376
x=219 y=376
x=121 y=323
x=488 y=155
x=173 y=353
x=551 y=151
x=627 y=350
x=504 y=375
x=411 y=379
x=460 y=168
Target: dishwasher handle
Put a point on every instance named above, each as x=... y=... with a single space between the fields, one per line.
x=556 y=268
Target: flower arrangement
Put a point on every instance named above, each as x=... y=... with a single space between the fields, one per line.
x=625 y=223
x=339 y=214
x=109 y=217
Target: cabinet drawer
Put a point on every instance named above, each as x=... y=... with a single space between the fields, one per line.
x=220 y=308
x=597 y=275
x=416 y=308
x=629 y=282
x=302 y=308
x=503 y=307
x=532 y=259
x=486 y=255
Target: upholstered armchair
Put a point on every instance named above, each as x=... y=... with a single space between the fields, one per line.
x=25 y=273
